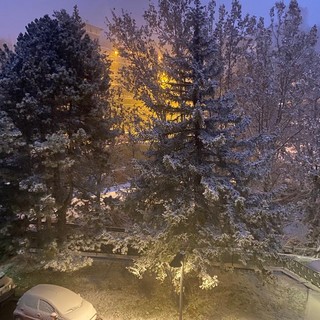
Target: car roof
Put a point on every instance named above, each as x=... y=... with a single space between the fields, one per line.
x=61 y=298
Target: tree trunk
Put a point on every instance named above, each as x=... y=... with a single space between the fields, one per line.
x=62 y=217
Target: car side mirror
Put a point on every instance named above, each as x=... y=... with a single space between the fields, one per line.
x=53 y=316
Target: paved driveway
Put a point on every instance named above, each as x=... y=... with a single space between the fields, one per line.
x=6 y=309
x=313 y=305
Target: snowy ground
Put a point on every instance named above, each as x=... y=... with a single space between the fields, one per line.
x=241 y=295
x=117 y=295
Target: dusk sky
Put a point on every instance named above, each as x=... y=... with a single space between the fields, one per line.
x=16 y=14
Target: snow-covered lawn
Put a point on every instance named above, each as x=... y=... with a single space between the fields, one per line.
x=118 y=295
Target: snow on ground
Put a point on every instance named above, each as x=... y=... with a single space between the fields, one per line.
x=116 y=191
x=118 y=295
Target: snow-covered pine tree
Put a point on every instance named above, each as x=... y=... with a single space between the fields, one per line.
x=55 y=87
x=194 y=191
x=12 y=158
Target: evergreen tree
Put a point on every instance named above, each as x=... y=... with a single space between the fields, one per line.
x=194 y=191
x=12 y=158
x=54 y=89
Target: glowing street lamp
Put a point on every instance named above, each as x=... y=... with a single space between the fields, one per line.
x=178 y=262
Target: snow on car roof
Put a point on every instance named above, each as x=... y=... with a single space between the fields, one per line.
x=61 y=298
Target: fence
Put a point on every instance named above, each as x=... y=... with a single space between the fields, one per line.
x=283 y=261
x=298 y=268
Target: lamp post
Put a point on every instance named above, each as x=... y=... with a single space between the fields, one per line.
x=178 y=262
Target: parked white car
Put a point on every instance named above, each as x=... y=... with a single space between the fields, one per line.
x=7 y=287
x=47 y=302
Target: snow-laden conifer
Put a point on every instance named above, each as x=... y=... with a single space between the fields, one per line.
x=54 y=88
x=195 y=192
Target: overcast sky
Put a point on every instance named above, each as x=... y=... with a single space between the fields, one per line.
x=16 y=14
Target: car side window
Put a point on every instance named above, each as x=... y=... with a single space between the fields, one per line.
x=31 y=301
x=45 y=307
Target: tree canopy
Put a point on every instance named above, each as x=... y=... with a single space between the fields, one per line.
x=54 y=101
x=196 y=191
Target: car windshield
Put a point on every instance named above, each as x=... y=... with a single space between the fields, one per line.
x=3 y=280
x=73 y=308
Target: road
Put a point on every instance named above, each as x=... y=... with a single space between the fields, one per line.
x=6 y=309
x=313 y=305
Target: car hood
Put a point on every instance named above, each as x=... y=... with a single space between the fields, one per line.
x=85 y=312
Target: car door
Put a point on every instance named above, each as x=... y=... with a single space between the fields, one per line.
x=29 y=307
x=45 y=310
